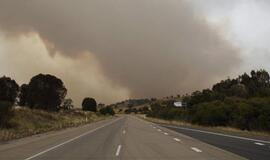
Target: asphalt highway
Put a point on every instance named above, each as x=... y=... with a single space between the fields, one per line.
x=250 y=148
x=122 y=138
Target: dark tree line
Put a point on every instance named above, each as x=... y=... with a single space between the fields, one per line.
x=243 y=102
x=44 y=91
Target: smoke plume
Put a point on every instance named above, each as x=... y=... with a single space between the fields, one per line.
x=152 y=48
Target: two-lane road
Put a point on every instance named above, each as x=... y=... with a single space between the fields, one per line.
x=121 y=138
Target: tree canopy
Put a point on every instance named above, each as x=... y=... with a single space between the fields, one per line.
x=8 y=94
x=89 y=104
x=44 y=92
x=8 y=90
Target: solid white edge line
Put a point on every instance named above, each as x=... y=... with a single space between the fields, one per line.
x=118 y=150
x=219 y=134
x=61 y=144
x=196 y=149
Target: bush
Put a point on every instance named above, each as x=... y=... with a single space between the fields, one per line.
x=211 y=114
x=107 y=111
x=67 y=104
x=127 y=111
x=6 y=113
x=89 y=104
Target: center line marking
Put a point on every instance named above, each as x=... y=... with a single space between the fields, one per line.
x=260 y=144
x=176 y=139
x=118 y=150
x=166 y=133
x=196 y=149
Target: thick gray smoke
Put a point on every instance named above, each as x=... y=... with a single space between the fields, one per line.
x=152 y=47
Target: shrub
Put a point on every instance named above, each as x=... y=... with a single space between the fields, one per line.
x=6 y=113
x=67 y=104
x=107 y=111
x=211 y=114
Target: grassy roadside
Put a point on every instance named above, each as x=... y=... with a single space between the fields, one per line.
x=224 y=130
x=27 y=122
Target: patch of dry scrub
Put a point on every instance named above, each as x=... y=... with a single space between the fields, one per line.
x=26 y=122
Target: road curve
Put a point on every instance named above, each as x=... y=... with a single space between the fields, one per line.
x=126 y=137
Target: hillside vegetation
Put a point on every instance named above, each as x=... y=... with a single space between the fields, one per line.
x=43 y=107
x=243 y=103
x=25 y=122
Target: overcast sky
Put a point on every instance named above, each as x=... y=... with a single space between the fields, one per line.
x=246 y=23
x=117 y=49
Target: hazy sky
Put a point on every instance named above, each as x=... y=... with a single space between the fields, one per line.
x=246 y=23
x=117 y=49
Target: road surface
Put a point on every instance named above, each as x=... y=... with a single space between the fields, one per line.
x=252 y=149
x=123 y=138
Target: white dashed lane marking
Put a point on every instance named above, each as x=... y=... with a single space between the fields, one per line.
x=118 y=150
x=124 y=131
x=258 y=143
x=176 y=139
x=196 y=149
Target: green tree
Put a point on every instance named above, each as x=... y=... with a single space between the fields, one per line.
x=89 y=104
x=67 y=104
x=45 y=92
x=212 y=114
x=8 y=90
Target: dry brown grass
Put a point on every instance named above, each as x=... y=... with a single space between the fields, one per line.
x=28 y=122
